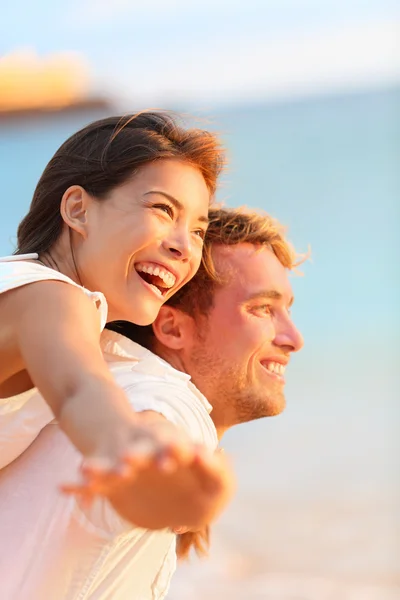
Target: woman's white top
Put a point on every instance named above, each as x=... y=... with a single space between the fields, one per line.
x=51 y=547
x=17 y=271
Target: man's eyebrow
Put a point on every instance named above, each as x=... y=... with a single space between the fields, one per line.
x=269 y=295
x=178 y=205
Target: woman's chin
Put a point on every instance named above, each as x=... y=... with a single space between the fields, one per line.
x=146 y=314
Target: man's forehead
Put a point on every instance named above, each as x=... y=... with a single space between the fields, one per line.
x=251 y=269
x=230 y=258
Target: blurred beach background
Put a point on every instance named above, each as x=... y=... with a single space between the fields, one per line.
x=306 y=95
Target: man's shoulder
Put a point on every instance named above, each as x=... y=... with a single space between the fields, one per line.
x=125 y=356
x=153 y=384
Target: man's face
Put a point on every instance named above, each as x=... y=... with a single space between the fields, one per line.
x=241 y=349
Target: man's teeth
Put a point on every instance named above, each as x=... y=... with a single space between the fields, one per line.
x=275 y=367
x=167 y=277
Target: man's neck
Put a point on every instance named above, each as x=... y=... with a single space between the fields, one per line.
x=172 y=357
x=140 y=336
x=175 y=360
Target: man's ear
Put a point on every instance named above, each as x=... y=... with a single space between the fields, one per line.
x=173 y=328
x=73 y=208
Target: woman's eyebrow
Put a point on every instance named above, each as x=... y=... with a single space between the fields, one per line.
x=178 y=205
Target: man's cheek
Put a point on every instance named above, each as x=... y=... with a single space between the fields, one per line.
x=223 y=324
x=258 y=335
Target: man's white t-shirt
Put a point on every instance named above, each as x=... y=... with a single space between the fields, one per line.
x=51 y=548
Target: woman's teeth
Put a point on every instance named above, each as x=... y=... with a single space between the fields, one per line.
x=158 y=278
x=166 y=276
x=156 y=289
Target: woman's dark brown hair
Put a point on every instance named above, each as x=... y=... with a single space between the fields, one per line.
x=104 y=155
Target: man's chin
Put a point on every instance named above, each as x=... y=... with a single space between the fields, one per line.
x=272 y=401
x=275 y=408
x=260 y=408
x=272 y=407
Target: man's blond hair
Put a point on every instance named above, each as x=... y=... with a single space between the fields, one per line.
x=229 y=227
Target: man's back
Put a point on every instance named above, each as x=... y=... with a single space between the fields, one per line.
x=52 y=549
x=66 y=551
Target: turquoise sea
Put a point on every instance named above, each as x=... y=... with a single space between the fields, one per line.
x=317 y=513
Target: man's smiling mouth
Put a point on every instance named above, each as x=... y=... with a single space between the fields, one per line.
x=274 y=369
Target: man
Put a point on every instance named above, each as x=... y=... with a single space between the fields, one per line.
x=229 y=330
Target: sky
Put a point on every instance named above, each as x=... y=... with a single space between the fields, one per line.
x=213 y=51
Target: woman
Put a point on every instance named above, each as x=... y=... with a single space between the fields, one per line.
x=119 y=214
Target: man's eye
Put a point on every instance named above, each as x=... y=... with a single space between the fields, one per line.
x=167 y=208
x=263 y=308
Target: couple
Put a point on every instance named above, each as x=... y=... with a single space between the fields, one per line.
x=223 y=342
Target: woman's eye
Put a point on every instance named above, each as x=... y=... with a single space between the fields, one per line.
x=165 y=208
x=200 y=233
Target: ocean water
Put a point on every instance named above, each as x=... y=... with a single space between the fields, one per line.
x=317 y=512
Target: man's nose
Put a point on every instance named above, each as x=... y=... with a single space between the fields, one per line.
x=289 y=337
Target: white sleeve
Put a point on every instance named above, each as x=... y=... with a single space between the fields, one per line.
x=21 y=420
x=176 y=403
x=16 y=274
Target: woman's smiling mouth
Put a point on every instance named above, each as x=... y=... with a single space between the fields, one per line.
x=157 y=277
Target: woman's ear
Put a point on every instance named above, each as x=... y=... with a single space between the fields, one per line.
x=73 y=208
x=173 y=328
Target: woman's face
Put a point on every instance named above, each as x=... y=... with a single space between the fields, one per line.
x=145 y=240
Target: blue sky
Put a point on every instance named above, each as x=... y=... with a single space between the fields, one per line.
x=214 y=50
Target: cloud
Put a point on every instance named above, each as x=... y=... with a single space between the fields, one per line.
x=258 y=66
x=271 y=14
x=97 y=11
